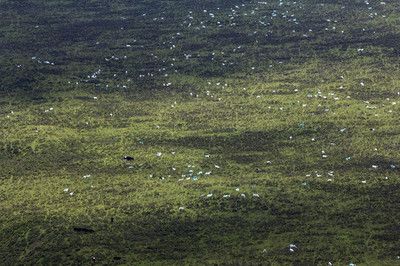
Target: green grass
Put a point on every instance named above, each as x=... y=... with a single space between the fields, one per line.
x=313 y=130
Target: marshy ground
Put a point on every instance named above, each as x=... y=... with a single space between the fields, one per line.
x=261 y=132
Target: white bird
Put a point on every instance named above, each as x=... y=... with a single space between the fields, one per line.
x=292 y=247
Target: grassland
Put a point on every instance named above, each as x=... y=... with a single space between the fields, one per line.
x=254 y=126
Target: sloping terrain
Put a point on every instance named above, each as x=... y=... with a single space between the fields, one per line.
x=262 y=132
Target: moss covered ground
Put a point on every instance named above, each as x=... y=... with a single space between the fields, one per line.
x=263 y=133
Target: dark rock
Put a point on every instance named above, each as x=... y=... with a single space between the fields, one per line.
x=83 y=230
x=128 y=158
